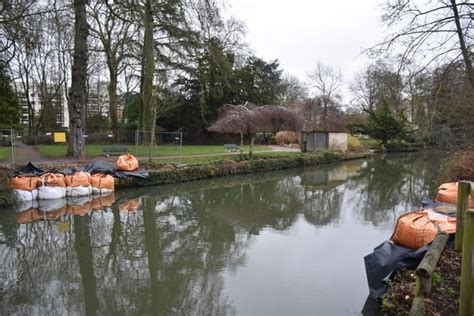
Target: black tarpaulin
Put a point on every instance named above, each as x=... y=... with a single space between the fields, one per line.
x=96 y=167
x=29 y=169
x=109 y=168
x=387 y=259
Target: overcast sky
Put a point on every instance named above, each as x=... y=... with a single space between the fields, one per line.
x=300 y=32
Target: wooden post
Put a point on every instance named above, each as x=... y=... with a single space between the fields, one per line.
x=424 y=273
x=428 y=264
x=418 y=307
x=466 y=303
x=461 y=206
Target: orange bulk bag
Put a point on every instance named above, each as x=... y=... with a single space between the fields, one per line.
x=448 y=193
x=127 y=162
x=102 y=183
x=24 y=183
x=78 y=179
x=417 y=229
x=52 y=180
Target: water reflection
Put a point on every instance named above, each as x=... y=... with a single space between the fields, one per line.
x=166 y=250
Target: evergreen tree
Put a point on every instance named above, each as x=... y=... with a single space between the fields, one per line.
x=9 y=105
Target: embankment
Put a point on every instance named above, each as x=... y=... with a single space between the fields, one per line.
x=171 y=175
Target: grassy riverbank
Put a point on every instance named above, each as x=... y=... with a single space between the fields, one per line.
x=444 y=296
x=95 y=150
x=167 y=173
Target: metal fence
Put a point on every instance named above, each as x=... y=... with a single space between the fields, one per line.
x=158 y=144
x=8 y=139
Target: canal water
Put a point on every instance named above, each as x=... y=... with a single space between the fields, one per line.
x=280 y=243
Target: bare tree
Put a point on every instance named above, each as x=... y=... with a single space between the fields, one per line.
x=248 y=119
x=292 y=92
x=438 y=31
x=116 y=37
x=377 y=85
x=327 y=81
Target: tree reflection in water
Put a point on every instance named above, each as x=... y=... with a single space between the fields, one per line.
x=165 y=253
x=390 y=185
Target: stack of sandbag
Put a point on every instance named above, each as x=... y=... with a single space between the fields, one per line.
x=448 y=193
x=78 y=184
x=25 y=187
x=51 y=186
x=102 y=183
x=127 y=162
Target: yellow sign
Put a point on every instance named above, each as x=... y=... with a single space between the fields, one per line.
x=59 y=137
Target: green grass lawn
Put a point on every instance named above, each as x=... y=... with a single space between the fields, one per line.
x=5 y=153
x=370 y=143
x=95 y=150
x=216 y=158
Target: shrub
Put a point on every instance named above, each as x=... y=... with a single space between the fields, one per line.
x=353 y=144
x=284 y=138
x=6 y=195
x=459 y=167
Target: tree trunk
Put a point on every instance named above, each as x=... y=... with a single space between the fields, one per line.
x=252 y=141
x=464 y=50
x=149 y=110
x=77 y=97
x=113 y=101
x=241 y=145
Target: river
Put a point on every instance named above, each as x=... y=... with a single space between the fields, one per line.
x=279 y=243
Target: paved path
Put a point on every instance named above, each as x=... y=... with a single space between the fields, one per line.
x=25 y=154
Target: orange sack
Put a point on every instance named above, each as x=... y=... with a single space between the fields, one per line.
x=448 y=193
x=52 y=180
x=24 y=183
x=78 y=179
x=417 y=229
x=102 y=183
x=127 y=162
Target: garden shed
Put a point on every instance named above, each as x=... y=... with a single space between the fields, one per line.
x=316 y=140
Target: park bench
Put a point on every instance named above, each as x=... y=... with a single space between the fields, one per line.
x=230 y=147
x=114 y=149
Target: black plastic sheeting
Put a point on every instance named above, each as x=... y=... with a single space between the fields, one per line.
x=440 y=207
x=385 y=261
x=96 y=167
x=29 y=169
x=109 y=168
